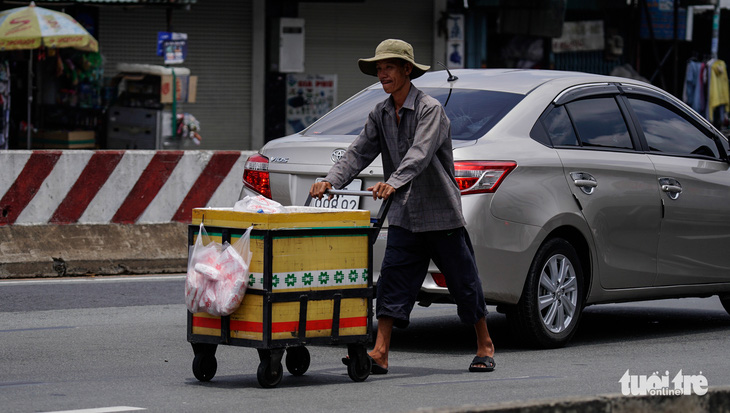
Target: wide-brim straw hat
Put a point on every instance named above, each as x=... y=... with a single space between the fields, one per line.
x=392 y=49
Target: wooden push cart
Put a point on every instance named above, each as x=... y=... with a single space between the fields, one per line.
x=310 y=283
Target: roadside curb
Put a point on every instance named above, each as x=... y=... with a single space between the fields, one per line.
x=717 y=400
x=86 y=249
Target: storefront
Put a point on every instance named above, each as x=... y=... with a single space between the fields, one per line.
x=335 y=35
x=650 y=40
x=73 y=92
x=51 y=79
x=220 y=41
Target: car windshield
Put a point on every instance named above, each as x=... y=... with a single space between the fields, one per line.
x=472 y=112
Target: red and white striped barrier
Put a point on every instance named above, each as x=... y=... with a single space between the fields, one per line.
x=124 y=187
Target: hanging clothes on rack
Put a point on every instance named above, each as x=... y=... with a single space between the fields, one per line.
x=706 y=89
x=692 y=93
x=718 y=93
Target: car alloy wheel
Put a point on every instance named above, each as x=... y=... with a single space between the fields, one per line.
x=552 y=300
x=557 y=293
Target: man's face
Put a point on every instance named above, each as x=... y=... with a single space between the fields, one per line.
x=393 y=74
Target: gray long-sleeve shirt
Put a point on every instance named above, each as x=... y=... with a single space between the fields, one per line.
x=417 y=161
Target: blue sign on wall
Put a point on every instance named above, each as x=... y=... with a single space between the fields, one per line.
x=661 y=13
x=172 y=46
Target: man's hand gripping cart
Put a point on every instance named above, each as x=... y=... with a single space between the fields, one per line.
x=310 y=283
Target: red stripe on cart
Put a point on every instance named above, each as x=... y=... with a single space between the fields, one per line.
x=207 y=183
x=353 y=322
x=288 y=326
x=19 y=195
x=206 y=322
x=92 y=178
x=148 y=185
x=247 y=326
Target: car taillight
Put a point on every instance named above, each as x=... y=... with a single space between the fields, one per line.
x=256 y=175
x=439 y=279
x=475 y=177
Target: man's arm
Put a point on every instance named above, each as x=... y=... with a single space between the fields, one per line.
x=361 y=153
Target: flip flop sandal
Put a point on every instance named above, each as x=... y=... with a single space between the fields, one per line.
x=487 y=361
x=375 y=369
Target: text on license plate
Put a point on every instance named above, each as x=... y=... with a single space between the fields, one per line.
x=340 y=201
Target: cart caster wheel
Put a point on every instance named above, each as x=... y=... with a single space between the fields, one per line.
x=269 y=374
x=359 y=368
x=297 y=360
x=204 y=366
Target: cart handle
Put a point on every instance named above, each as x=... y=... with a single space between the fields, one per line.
x=348 y=192
x=379 y=218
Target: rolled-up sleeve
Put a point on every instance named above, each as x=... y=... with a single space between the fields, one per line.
x=361 y=153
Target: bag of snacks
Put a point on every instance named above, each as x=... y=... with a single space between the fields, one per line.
x=217 y=275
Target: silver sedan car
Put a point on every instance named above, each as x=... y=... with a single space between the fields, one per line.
x=577 y=189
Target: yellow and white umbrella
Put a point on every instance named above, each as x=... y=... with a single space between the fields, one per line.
x=30 y=27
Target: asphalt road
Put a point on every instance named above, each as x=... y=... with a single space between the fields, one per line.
x=119 y=344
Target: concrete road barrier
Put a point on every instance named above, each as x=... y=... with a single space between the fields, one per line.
x=85 y=249
x=107 y=212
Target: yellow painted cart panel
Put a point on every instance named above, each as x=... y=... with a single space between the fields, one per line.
x=314 y=253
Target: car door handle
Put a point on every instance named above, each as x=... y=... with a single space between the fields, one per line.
x=671 y=186
x=585 y=181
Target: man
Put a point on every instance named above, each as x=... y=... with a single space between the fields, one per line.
x=412 y=133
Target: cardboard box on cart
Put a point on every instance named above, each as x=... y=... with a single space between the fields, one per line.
x=76 y=139
x=309 y=277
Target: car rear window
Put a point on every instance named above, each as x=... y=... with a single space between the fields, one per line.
x=560 y=128
x=472 y=112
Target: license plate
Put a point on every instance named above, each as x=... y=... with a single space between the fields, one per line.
x=340 y=201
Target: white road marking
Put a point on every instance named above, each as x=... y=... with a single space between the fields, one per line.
x=100 y=278
x=102 y=410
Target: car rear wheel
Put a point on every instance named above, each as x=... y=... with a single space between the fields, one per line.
x=552 y=300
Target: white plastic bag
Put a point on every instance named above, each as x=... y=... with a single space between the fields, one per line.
x=233 y=264
x=217 y=274
x=203 y=253
x=259 y=204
